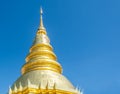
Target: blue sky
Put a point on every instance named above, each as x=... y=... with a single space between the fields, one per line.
x=85 y=35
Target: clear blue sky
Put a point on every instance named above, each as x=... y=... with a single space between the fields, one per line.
x=85 y=35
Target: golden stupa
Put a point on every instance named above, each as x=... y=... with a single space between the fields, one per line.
x=42 y=74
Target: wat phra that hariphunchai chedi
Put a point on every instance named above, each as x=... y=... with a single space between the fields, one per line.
x=42 y=73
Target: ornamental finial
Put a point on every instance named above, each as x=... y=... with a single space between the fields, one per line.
x=41 y=11
x=10 y=90
x=41 y=19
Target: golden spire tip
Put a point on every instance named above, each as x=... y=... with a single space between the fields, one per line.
x=41 y=11
x=41 y=19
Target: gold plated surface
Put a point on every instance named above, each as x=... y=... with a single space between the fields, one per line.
x=43 y=78
x=41 y=56
x=41 y=74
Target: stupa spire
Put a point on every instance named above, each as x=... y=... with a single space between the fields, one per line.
x=41 y=19
x=41 y=56
x=42 y=74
